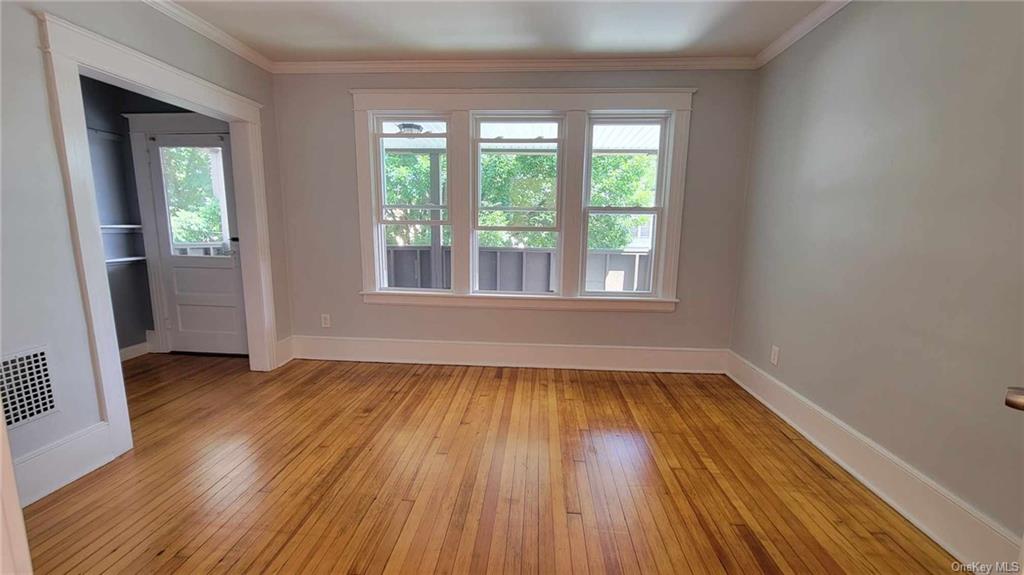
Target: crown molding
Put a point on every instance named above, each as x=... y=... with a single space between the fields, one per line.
x=513 y=65
x=799 y=30
x=225 y=40
x=190 y=20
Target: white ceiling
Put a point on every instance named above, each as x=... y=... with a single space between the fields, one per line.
x=384 y=30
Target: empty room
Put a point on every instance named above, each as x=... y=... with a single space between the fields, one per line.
x=512 y=287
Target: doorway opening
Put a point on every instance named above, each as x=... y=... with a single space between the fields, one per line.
x=71 y=53
x=165 y=193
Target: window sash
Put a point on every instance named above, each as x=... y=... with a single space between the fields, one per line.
x=436 y=223
x=477 y=181
x=381 y=192
x=652 y=254
x=664 y=134
x=661 y=191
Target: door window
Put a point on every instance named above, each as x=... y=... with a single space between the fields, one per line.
x=196 y=197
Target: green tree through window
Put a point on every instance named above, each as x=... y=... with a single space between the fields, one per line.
x=193 y=207
x=526 y=180
x=407 y=182
x=619 y=180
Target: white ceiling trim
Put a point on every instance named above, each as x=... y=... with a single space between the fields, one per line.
x=799 y=30
x=212 y=32
x=512 y=65
x=203 y=27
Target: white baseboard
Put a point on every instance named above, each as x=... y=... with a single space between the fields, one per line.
x=600 y=357
x=284 y=351
x=49 y=468
x=134 y=351
x=968 y=534
x=157 y=341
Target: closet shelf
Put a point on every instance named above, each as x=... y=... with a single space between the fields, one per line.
x=126 y=260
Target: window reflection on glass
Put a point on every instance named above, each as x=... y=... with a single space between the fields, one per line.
x=195 y=193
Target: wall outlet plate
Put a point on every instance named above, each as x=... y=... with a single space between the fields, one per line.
x=325 y=320
x=775 y=355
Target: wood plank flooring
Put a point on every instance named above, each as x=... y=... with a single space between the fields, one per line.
x=334 y=467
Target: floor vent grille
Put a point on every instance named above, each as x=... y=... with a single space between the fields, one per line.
x=27 y=391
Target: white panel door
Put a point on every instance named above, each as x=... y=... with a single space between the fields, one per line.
x=199 y=263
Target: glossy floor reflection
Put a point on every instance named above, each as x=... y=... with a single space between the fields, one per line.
x=338 y=467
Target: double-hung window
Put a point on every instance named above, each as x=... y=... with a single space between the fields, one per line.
x=560 y=199
x=414 y=230
x=623 y=203
x=516 y=204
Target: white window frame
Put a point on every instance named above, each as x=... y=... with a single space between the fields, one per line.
x=478 y=118
x=377 y=159
x=662 y=192
x=577 y=108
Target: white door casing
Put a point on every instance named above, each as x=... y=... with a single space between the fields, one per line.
x=14 y=553
x=70 y=52
x=202 y=303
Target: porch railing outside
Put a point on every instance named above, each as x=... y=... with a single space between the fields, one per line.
x=533 y=270
x=200 y=249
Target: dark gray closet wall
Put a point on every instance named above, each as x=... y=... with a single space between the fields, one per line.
x=118 y=202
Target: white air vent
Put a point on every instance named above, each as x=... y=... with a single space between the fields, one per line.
x=27 y=392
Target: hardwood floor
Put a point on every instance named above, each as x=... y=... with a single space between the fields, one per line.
x=331 y=467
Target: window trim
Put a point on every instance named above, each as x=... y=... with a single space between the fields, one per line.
x=577 y=108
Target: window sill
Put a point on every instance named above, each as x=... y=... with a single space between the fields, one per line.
x=513 y=301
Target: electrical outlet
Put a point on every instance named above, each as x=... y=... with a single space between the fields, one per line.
x=775 y=355
x=325 y=320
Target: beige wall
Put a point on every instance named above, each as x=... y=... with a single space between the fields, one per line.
x=883 y=236
x=41 y=300
x=319 y=179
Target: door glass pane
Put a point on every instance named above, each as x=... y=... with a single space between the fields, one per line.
x=624 y=165
x=517 y=261
x=196 y=198
x=619 y=248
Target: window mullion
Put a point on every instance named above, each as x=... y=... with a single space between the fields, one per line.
x=459 y=198
x=571 y=198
